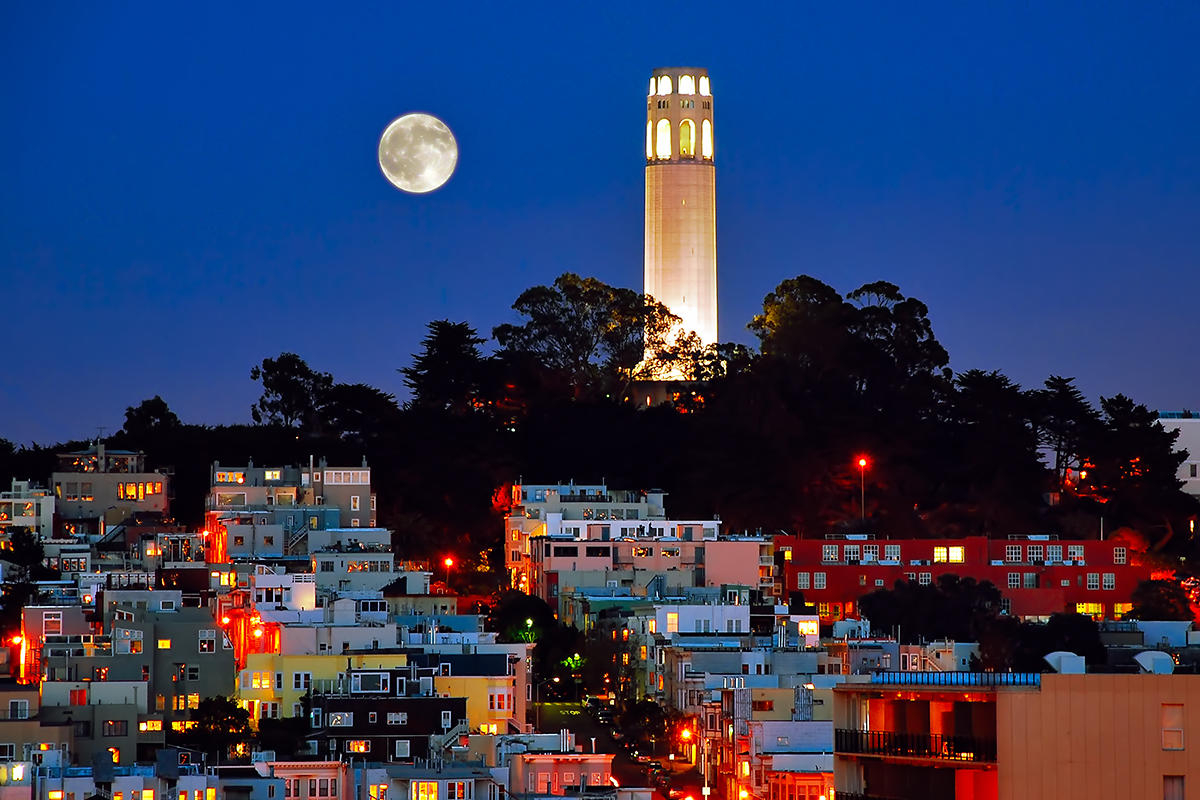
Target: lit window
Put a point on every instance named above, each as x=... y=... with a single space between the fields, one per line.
x=957 y=554
x=829 y=552
x=652 y=626
x=704 y=85
x=664 y=84
x=672 y=622
x=653 y=85
x=424 y=790
x=358 y=746
x=662 y=139
x=271 y=475
x=706 y=139
x=940 y=555
x=1172 y=726
x=687 y=139
x=687 y=84
x=649 y=154
x=164 y=644
x=1090 y=609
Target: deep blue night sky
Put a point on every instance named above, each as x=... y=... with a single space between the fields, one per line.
x=191 y=188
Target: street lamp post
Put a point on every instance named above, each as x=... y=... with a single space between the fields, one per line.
x=862 y=487
x=537 y=697
x=449 y=562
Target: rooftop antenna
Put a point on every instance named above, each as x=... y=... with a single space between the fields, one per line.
x=99 y=433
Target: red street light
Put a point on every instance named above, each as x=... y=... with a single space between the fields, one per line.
x=448 y=562
x=862 y=486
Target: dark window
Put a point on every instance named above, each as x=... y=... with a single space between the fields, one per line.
x=597 y=552
x=115 y=727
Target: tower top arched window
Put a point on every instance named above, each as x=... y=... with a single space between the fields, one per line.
x=706 y=140
x=649 y=139
x=664 y=84
x=662 y=139
x=687 y=84
x=687 y=139
x=704 y=88
x=653 y=85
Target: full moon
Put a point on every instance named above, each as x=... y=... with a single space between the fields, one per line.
x=417 y=153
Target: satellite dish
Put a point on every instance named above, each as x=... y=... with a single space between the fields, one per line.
x=1066 y=663
x=1155 y=662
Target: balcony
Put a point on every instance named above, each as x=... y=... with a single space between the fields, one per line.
x=915 y=745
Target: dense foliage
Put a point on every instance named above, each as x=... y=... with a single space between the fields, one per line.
x=766 y=439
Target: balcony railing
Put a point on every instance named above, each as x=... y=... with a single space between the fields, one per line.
x=958 y=678
x=915 y=745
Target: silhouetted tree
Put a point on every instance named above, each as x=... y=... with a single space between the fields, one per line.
x=1160 y=600
x=293 y=392
x=221 y=725
x=448 y=371
x=149 y=419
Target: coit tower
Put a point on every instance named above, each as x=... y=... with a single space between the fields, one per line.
x=681 y=208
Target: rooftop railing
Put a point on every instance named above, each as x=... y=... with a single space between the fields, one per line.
x=958 y=679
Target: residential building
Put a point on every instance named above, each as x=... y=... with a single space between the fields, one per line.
x=1037 y=575
x=99 y=487
x=1188 y=425
x=27 y=506
x=1014 y=735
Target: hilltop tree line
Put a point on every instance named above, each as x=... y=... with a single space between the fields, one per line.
x=766 y=438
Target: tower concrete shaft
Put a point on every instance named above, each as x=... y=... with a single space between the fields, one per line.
x=681 y=206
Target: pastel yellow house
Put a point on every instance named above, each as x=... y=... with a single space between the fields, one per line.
x=494 y=703
x=272 y=685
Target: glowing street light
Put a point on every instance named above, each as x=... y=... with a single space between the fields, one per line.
x=449 y=562
x=862 y=486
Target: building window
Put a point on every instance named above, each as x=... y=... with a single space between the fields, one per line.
x=818 y=580
x=358 y=745
x=958 y=554
x=19 y=709
x=52 y=623
x=424 y=790
x=891 y=552
x=870 y=552
x=1012 y=553
x=354 y=502
x=1119 y=555
x=672 y=622
x=1036 y=553
x=1172 y=726
x=1093 y=580
x=925 y=578
x=402 y=748
x=1014 y=580
x=706 y=139
x=1075 y=552
x=801 y=580
x=1030 y=580
x=301 y=680
x=1054 y=552
x=1173 y=784
x=207 y=640
x=119 y=727
x=829 y=552
x=850 y=552
x=1110 y=581
x=941 y=555
x=341 y=719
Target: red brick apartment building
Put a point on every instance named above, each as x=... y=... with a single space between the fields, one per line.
x=1038 y=575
